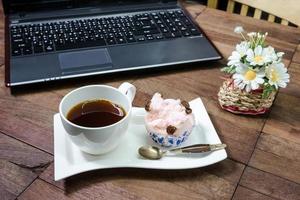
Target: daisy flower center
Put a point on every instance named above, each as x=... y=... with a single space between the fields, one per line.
x=258 y=59
x=250 y=75
x=274 y=76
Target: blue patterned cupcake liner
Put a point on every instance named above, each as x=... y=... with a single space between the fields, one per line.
x=169 y=140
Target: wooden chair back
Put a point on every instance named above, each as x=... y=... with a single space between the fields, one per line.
x=286 y=11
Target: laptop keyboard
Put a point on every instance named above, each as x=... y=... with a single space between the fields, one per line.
x=72 y=34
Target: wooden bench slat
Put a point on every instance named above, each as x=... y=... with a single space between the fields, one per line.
x=230 y=6
x=244 y=10
x=257 y=13
x=271 y=18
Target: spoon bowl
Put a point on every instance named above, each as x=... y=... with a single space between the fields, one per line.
x=151 y=152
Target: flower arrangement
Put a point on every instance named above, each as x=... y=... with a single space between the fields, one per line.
x=256 y=71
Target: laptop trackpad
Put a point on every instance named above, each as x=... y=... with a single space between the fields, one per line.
x=84 y=61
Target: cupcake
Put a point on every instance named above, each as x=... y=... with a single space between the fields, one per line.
x=169 y=122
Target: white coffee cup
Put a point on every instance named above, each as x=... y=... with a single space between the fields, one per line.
x=98 y=140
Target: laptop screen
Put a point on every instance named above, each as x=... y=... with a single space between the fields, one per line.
x=15 y=6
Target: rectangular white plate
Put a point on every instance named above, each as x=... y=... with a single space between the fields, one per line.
x=69 y=160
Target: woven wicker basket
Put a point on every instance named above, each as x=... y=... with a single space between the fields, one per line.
x=238 y=101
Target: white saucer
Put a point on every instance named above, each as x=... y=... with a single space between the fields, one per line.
x=69 y=160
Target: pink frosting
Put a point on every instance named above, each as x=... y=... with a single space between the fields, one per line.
x=165 y=112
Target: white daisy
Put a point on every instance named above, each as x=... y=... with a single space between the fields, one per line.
x=259 y=56
x=280 y=54
x=238 y=29
x=241 y=50
x=234 y=59
x=270 y=52
x=277 y=75
x=248 y=79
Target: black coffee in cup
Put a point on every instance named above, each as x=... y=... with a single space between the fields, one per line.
x=96 y=113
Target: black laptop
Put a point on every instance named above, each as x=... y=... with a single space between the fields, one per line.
x=48 y=40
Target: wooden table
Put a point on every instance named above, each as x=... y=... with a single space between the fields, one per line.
x=263 y=151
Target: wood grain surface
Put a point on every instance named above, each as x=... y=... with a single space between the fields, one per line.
x=263 y=151
x=296 y=57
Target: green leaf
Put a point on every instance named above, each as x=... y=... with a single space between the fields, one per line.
x=268 y=89
x=229 y=69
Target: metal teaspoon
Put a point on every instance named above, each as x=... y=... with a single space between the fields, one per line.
x=155 y=153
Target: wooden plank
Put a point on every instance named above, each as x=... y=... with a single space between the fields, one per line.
x=284 y=22
x=230 y=6
x=48 y=176
x=271 y=18
x=257 y=13
x=278 y=156
x=14 y=179
x=6 y=195
x=236 y=150
x=275 y=164
x=282 y=122
x=279 y=146
x=41 y=190
x=23 y=155
x=38 y=136
x=20 y=164
x=293 y=87
x=212 y=3
x=243 y=193
x=2 y=49
x=228 y=169
x=270 y=185
x=244 y=10
x=194 y=9
x=296 y=57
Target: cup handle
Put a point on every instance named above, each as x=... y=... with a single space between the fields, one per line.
x=128 y=89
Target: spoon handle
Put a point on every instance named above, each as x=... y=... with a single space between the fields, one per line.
x=199 y=148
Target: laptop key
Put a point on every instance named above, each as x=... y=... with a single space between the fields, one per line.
x=49 y=48
x=16 y=52
x=16 y=36
x=121 y=40
x=194 y=31
x=130 y=39
x=164 y=30
x=27 y=51
x=111 y=41
x=150 y=38
x=186 y=33
x=159 y=37
x=172 y=35
x=141 y=39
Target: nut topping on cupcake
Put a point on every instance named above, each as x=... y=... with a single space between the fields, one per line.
x=188 y=110
x=147 y=106
x=171 y=129
x=185 y=104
